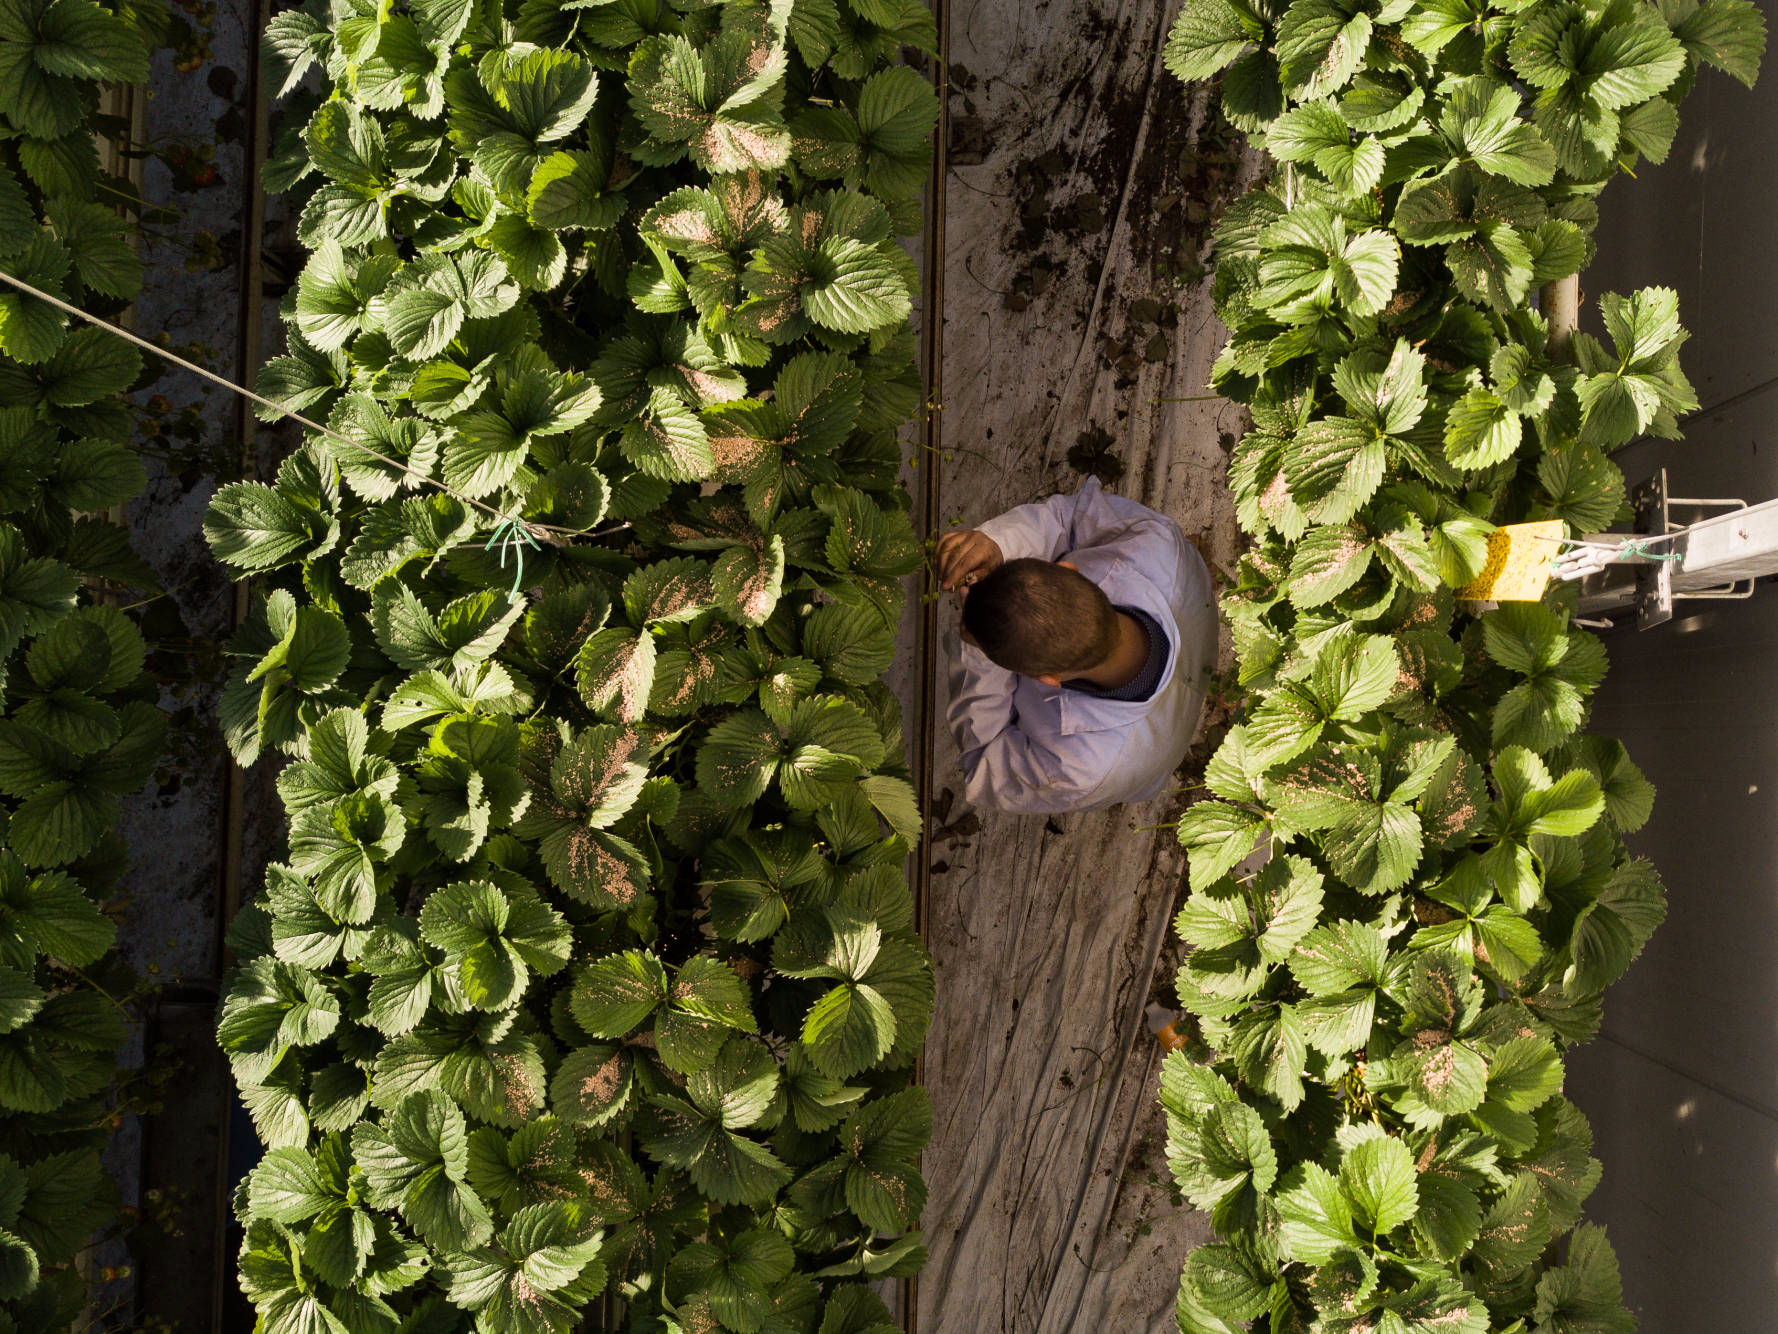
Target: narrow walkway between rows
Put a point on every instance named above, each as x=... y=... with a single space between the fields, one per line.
x=1075 y=337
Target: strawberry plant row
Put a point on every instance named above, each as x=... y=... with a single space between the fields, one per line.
x=591 y=969
x=1380 y=1134
x=79 y=723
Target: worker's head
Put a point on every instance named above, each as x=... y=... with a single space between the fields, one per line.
x=1041 y=619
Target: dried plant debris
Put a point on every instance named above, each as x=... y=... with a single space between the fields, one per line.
x=1092 y=455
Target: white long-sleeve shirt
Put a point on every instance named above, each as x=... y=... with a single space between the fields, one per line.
x=1029 y=747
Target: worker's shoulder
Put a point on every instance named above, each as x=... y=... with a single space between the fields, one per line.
x=1095 y=507
x=1144 y=536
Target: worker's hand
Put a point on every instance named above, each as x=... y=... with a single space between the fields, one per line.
x=965 y=556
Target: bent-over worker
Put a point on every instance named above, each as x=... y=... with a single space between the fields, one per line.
x=1088 y=636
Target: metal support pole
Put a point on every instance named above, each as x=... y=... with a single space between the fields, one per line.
x=1561 y=307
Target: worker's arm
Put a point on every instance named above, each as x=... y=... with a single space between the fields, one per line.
x=1041 y=531
x=1052 y=528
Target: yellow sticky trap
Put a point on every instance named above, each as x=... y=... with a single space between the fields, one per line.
x=1518 y=567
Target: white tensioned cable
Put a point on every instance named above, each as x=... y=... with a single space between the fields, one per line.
x=544 y=531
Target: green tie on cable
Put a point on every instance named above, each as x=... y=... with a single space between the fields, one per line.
x=1623 y=552
x=513 y=535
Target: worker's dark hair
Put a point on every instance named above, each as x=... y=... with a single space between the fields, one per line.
x=1040 y=619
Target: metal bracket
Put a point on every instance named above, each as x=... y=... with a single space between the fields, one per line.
x=1721 y=552
x=1654 y=583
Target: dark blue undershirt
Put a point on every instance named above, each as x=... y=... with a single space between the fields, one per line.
x=1143 y=684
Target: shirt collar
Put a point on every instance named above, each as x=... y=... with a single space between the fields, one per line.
x=1123 y=583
